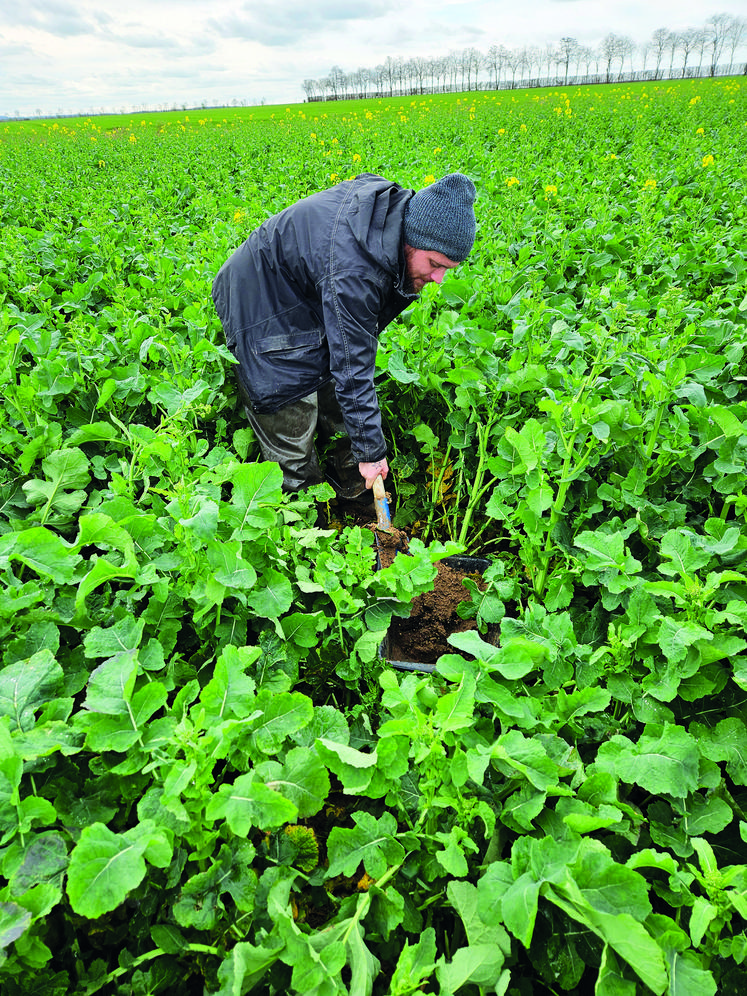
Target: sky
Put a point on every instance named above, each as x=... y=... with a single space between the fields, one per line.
x=68 y=57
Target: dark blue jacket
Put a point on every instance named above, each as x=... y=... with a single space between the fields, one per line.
x=304 y=298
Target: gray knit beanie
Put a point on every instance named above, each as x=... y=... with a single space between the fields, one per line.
x=441 y=217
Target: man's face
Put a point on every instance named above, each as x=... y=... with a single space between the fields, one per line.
x=424 y=266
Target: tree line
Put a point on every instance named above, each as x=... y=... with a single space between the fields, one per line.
x=701 y=49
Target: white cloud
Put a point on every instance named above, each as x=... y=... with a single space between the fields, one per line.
x=56 y=54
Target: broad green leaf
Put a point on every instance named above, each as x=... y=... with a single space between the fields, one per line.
x=416 y=963
x=257 y=489
x=231 y=691
x=303 y=628
x=121 y=638
x=66 y=473
x=41 y=550
x=111 y=684
x=246 y=965
x=353 y=767
x=26 y=686
x=476 y=962
x=514 y=753
x=627 y=936
x=685 y=558
x=273 y=598
x=664 y=761
x=529 y=444
x=726 y=741
x=228 y=566
x=104 y=867
x=688 y=977
x=302 y=779
x=371 y=843
x=204 y=523
x=14 y=921
x=455 y=710
x=611 y=980
x=249 y=803
x=676 y=635
x=281 y=716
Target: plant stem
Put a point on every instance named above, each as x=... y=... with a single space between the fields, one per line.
x=148 y=956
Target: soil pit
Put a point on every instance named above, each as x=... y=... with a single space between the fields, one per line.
x=421 y=638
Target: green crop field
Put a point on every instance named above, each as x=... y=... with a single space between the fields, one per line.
x=210 y=779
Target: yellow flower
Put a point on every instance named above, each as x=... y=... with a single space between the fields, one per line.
x=334 y=177
x=700 y=131
x=429 y=179
x=238 y=215
x=501 y=131
x=512 y=181
x=522 y=127
x=649 y=185
x=356 y=157
x=550 y=191
x=132 y=138
x=437 y=150
x=708 y=161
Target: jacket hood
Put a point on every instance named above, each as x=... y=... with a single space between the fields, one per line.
x=376 y=219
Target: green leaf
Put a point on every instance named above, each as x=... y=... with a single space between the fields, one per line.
x=371 y=843
x=676 y=635
x=26 y=686
x=249 y=803
x=41 y=550
x=303 y=779
x=246 y=965
x=415 y=965
x=231 y=692
x=14 y=921
x=611 y=980
x=280 y=716
x=353 y=767
x=687 y=977
x=664 y=761
x=685 y=558
x=111 y=684
x=273 y=599
x=257 y=490
x=104 y=867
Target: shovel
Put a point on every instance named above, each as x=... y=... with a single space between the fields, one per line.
x=381 y=504
x=395 y=540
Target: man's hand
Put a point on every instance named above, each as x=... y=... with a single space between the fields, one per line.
x=370 y=471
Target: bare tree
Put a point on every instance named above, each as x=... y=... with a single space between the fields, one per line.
x=585 y=57
x=687 y=44
x=718 y=28
x=494 y=62
x=736 y=34
x=610 y=52
x=659 y=40
x=567 y=50
x=513 y=60
x=673 y=43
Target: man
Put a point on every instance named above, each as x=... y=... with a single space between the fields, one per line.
x=303 y=300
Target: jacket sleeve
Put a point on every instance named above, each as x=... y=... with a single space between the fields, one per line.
x=352 y=303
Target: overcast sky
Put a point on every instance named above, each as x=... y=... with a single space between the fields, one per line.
x=67 y=56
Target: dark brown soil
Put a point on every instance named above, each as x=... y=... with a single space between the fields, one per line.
x=389 y=543
x=421 y=638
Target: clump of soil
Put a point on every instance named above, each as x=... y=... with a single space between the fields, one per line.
x=421 y=638
x=389 y=542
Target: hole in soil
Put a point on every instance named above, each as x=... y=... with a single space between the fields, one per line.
x=421 y=638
